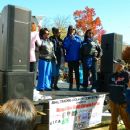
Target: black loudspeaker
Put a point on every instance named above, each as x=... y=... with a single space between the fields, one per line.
x=16 y=85
x=103 y=79
x=15 y=45
x=112 y=49
x=1 y=87
x=1 y=49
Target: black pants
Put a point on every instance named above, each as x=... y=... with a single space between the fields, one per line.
x=32 y=66
x=73 y=66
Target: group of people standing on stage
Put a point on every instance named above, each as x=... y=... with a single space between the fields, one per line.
x=75 y=51
x=86 y=52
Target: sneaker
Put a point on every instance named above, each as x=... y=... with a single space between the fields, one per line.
x=56 y=88
x=93 y=90
x=48 y=89
x=40 y=90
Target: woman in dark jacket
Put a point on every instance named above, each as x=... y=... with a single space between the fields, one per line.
x=90 y=52
x=44 y=64
x=58 y=50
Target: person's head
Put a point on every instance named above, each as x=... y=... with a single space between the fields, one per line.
x=17 y=114
x=53 y=30
x=119 y=65
x=33 y=27
x=71 y=30
x=57 y=32
x=88 y=34
x=44 y=33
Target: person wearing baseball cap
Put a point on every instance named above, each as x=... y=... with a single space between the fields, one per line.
x=119 y=61
x=118 y=83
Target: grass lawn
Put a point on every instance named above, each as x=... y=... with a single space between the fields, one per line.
x=105 y=126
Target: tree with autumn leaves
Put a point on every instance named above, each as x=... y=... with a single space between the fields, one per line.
x=86 y=19
x=126 y=55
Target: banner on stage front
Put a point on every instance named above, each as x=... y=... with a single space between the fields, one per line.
x=75 y=113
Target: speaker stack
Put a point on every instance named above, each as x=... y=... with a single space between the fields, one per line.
x=15 y=79
x=112 y=49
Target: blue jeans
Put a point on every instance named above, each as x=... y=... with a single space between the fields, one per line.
x=44 y=75
x=55 y=69
x=87 y=69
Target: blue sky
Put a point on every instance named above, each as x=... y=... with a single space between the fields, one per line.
x=114 y=14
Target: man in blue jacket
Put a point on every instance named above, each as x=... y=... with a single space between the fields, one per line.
x=71 y=45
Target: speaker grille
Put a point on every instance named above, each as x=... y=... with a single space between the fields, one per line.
x=112 y=49
x=16 y=24
x=17 y=85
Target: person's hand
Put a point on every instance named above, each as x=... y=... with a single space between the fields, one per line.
x=80 y=62
x=65 y=64
x=96 y=59
x=56 y=61
x=39 y=27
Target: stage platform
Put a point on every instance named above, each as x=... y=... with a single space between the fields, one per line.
x=64 y=92
x=43 y=105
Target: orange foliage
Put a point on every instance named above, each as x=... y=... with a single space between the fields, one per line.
x=126 y=55
x=85 y=20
